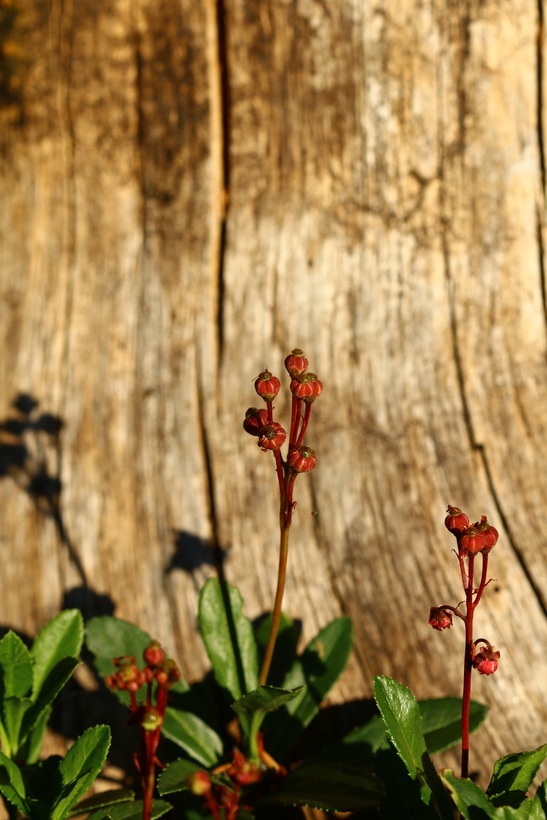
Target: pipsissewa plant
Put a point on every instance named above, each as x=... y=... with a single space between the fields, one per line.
x=472 y=540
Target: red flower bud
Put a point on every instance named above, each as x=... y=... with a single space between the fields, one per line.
x=302 y=387
x=302 y=459
x=272 y=437
x=255 y=420
x=168 y=673
x=489 y=532
x=296 y=363
x=440 y=618
x=267 y=386
x=153 y=654
x=199 y=783
x=317 y=387
x=472 y=541
x=486 y=661
x=456 y=520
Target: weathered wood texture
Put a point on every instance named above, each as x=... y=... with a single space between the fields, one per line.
x=189 y=190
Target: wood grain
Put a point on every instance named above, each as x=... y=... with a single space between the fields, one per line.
x=190 y=191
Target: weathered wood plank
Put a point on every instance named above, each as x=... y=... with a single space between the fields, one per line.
x=383 y=170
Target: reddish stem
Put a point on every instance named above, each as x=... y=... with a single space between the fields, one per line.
x=304 y=424
x=467 y=663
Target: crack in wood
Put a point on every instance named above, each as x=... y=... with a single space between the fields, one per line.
x=540 y=209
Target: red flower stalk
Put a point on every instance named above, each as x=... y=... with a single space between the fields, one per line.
x=472 y=541
x=305 y=388
x=158 y=676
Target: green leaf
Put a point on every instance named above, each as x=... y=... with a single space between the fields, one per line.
x=102 y=800
x=60 y=638
x=33 y=743
x=174 y=777
x=329 y=787
x=12 y=785
x=132 y=811
x=513 y=775
x=441 y=721
x=401 y=714
x=470 y=800
x=14 y=710
x=193 y=735
x=253 y=707
x=81 y=765
x=15 y=667
x=228 y=638
x=318 y=668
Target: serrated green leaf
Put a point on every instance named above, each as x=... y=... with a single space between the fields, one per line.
x=132 y=811
x=60 y=638
x=15 y=667
x=318 y=668
x=228 y=638
x=468 y=797
x=174 y=777
x=193 y=735
x=35 y=738
x=103 y=800
x=329 y=787
x=12 y=784
x=441 y=721
x=401 y=715
x=513 y=775
x=253 y=707
x=81 y=765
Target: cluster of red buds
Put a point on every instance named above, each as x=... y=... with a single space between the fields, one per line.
x=223 y=789
x=472 y=540
x=158 y=675
x=305 y=388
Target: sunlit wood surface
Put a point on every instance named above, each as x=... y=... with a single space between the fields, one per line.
x=192 y=189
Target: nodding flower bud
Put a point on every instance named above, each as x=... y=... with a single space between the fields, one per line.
x=302 y=459
x=151 y=719
x=153 y=654
x=472 y=541
x=296 y=363
x=456 y=521
x=489 y=533
x=272 y=437
x=440 y=618
x=306 y=387
x=267 y=386
x=485 y=661
x=199 y=783
x=255 y=420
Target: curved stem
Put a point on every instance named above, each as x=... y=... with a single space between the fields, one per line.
x=285 y=523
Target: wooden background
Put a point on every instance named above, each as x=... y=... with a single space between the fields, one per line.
x=191 y=189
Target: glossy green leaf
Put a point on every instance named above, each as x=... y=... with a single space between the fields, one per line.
x=513 y=775
x=103 y=800
x=193 y=735
x=329 y=787
x=132 y=811
x=12 y=784
x=317 y=669
x=175 y=776
x=401 y=714
x=468 y=797
x=33 y=743
x=13 y=713
x=253 y=707
x=441 y=721
x=228 y=637
x=80 y=766
x=15 y=667
x=60 y=638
